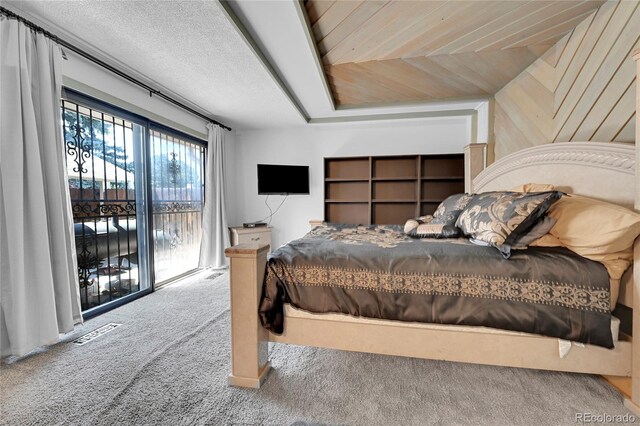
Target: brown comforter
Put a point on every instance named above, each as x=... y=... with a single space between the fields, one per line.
x=379 y=272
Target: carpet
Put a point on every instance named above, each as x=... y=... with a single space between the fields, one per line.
x=168 y=364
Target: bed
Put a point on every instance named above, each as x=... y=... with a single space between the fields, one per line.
x=605 y=171
x=379 y=272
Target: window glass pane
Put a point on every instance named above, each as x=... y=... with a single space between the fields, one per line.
x=177 y=188
x=102 y=155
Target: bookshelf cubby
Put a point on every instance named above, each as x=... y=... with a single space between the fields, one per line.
x=389 y=189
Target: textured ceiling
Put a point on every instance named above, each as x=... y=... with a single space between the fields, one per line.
x=375 y=53
x=188 y=47
x=400 y=51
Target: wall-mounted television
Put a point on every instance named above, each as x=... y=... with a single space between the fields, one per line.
x=276 y=179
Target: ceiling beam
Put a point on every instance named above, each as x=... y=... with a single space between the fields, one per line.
x=394 y=116
x=306 y=25
x=248 y=38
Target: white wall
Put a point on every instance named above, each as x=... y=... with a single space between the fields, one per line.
x=308 y=145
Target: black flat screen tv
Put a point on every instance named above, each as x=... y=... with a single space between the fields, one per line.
x=276 y=179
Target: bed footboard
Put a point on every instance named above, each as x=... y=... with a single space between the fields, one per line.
x=249 y=341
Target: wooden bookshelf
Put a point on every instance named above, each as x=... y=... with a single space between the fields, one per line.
x=389 y=189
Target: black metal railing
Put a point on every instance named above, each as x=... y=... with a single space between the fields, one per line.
x=100 y=168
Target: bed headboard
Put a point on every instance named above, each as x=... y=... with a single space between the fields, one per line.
x=603 y=170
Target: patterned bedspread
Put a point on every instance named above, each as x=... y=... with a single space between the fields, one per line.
x=379 y=272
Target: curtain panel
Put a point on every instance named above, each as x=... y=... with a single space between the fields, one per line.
x=215 y=235
x=39 y=293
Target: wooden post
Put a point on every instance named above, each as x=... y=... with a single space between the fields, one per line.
x=313 y=223
x=249 y=347
x=475 y=161
x=633 y=404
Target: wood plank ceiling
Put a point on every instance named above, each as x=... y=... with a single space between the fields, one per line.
x=381 y=52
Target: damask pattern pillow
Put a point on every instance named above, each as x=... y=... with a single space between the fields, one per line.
x=540 y=229
x=449 y=210
x=500 y=218
x=443 y=222
x=411 y=225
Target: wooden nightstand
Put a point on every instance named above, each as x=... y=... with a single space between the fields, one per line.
x=241 y=235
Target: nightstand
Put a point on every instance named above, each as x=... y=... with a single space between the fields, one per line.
x=242 y=235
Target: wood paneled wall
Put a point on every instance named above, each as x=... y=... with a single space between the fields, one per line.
x=383 y=52
x=582 y=89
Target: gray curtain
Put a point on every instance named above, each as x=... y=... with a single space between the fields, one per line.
x=215 y=235
x=39 y=294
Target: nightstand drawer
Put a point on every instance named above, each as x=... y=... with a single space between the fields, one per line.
x=258 y=237
x=240 y=235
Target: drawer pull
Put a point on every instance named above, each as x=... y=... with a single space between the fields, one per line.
x=255 y=239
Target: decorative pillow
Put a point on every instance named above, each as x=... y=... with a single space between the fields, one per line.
x=500 y=218
x=451 y=207
x=533 y=187
x=411 y=224
x=442 y=223
x=434 y=228
x=539 y=229
x=429 y=227
x=597 y=230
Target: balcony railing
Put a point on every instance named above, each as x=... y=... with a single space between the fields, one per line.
x=100 y=168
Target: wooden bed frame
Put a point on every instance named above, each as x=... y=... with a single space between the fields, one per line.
x=600 y=170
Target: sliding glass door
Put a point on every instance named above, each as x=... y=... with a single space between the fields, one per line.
x=177 y=196
x=106 y=185
x=116 y=161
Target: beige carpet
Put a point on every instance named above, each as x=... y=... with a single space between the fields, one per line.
x=168 y=364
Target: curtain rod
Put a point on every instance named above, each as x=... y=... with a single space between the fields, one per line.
x=86 y=55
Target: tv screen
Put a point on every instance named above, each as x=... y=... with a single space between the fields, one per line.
x=277 y=179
